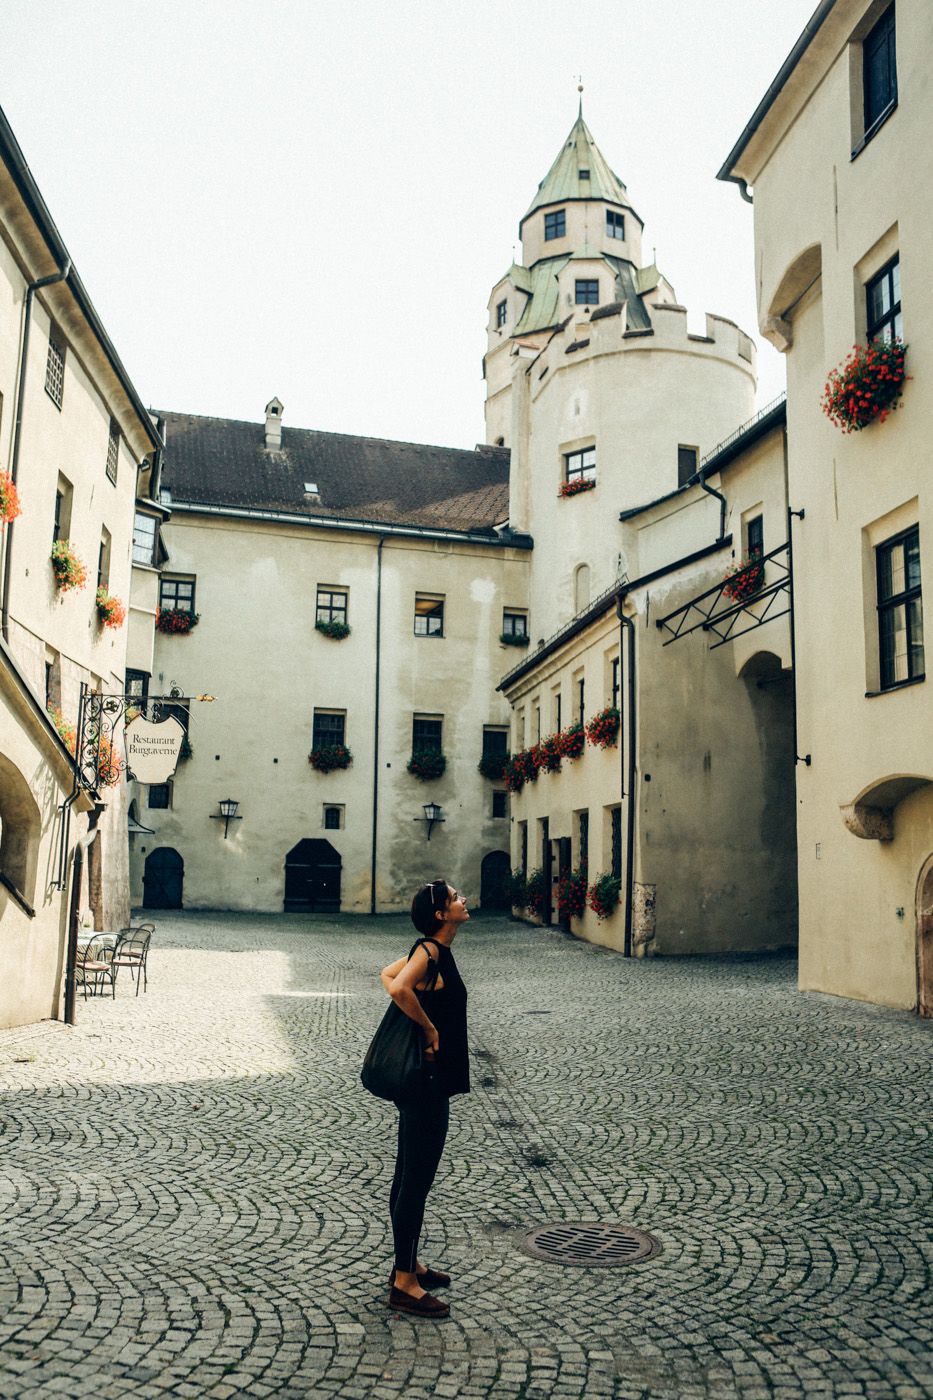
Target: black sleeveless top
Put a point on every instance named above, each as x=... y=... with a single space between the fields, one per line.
x=447 y=1011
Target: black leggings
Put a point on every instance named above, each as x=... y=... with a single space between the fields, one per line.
x=422 y=1131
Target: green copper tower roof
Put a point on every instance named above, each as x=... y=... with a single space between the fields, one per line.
x=580 y=171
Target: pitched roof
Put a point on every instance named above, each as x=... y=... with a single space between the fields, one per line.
x=224 y=462
x=563 y=181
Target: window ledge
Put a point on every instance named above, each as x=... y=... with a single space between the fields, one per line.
x=898 y=685
x=873 y=130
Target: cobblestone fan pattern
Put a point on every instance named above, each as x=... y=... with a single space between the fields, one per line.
x=193 y=1186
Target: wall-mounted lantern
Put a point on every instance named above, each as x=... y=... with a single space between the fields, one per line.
x=227 y=813
x=432 y=814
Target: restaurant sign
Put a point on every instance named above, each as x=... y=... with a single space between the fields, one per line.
x=152 y=749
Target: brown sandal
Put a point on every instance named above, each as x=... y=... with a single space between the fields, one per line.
x=427 y=1306
x=430 y=1279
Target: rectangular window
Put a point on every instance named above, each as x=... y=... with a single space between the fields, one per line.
x=145 y=534
x=514 y=624
x=879 y=71
x=502 y=313
x=55 y=368
x=523 y=847
x=176 y=594
x=333 y=818
x=427 y=733
x=331 y=604
x=614 y=674
x=556 y=710
x=686 y=464
x=755 y=537
x=137 y=683
x=537 y=724
x=583 y=841
x=900 y=609
x=113 y=451
x=495 y=742
x=57 y=522
x=883 y=303
x=615 y=224
x=429 y=615
x=500 y=804
x=616 y=842
x=64 y=498
x=583 y=174
x=103 y=560
x=580 y=466
x=586 y=291
x=160 y=795
x=555 y=224
x=329 y=728
x=520 y=729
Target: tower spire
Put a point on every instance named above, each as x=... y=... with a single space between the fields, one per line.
x=580 y=91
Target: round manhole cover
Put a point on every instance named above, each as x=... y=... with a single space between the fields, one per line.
x=589 y=1243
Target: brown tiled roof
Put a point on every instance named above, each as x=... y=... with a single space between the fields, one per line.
x=223 y=462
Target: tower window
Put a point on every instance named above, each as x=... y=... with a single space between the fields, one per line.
x=502 y=313
x=584 y=174
x=580 y=466
x=686 y=464
x=587 y=291
x=615 y=224
x=555 y=224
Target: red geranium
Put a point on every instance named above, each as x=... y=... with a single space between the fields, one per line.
x=572 y=741
x=744 y=581
x=110 y=610
x=571 y=895
x=9 y=499
x=176 y=620
x=866 y=386
x=603 y=729
x=578 y=484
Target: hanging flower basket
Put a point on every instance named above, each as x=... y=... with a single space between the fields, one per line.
x=494 y=765
x=546 y=754
x=577 y=486
x=426 y=764
x=176 y=620
x=518 y=890
x=68 y=569
x=572 y=741
x=745 y=581
x=866 y=386
x=521 y=770
x=603 y=729
x=10 y=507
x=335 y=630
x=110 y=610
x=603 y=895
x=571 y=895
x=536 y=892
x=66 y=732
x=329 y=757
x=514 y=639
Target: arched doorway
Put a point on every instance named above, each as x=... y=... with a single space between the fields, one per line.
x=925 y=939
x=312 y=877
x=495 y=872
x=163 y=879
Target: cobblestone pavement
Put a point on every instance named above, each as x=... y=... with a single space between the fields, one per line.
x=193 y=1184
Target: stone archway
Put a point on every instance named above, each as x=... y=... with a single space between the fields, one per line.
x=925 y=939
x=494 y=880
x=163 y=879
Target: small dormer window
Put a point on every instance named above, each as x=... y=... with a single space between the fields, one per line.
x=502 y=313
x=555 y=224
x=273 y=413
x=615 y=224
x=584 y=174
x=311 y=488
x=586 y=291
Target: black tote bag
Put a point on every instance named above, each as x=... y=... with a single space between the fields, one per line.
x=394 y=1066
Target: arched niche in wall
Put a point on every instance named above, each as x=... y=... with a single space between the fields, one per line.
x=581 y=587
x=805 y=270
x=20 y=827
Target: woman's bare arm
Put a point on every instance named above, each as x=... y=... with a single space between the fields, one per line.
x=388 y=973
x=401 y=989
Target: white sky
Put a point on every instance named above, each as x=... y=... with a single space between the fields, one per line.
x=313 y=198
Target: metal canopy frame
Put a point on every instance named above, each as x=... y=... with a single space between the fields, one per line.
x=727 y=618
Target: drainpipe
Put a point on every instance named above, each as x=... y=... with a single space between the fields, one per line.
x=627 y=644
x=372 y=885
x=31 y=289
x=711 y=491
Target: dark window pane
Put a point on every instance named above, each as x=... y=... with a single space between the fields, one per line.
x=159 y=795
x=502 y=312
x=328 y=730
x=429 y=617
x=515 y=624
x=615 y=224
x=883 y=304
x=617 y=843
x=686 y=464
x=915 y=634
x=331 y=605
x=586 y=291
x=495 y=741
x=879 y=68
x=500 y=804
x=756 y=537
x=426 y=735
x=555 y=224
x=176 y=594
x=332 y=818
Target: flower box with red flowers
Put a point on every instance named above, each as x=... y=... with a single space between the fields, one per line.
x=571 y=895
x=745 y=581
x=9 y=499
x=603 y=896
x=866 y=387
x=494 y=765
x=577 y=486
x=427 y=764
x=603 y=729
x=69 y=570
x=330 y=757
x=536 y=892
x=521 y=770
x=572 y=741
x=176 y=621
x=546 y=754
x=110 y=610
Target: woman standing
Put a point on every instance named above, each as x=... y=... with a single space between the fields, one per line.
x=429 y=989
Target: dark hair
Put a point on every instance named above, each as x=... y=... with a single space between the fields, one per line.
x=430 y=901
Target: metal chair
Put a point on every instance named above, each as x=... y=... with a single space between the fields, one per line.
x=95 y=965
x=132 y=951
